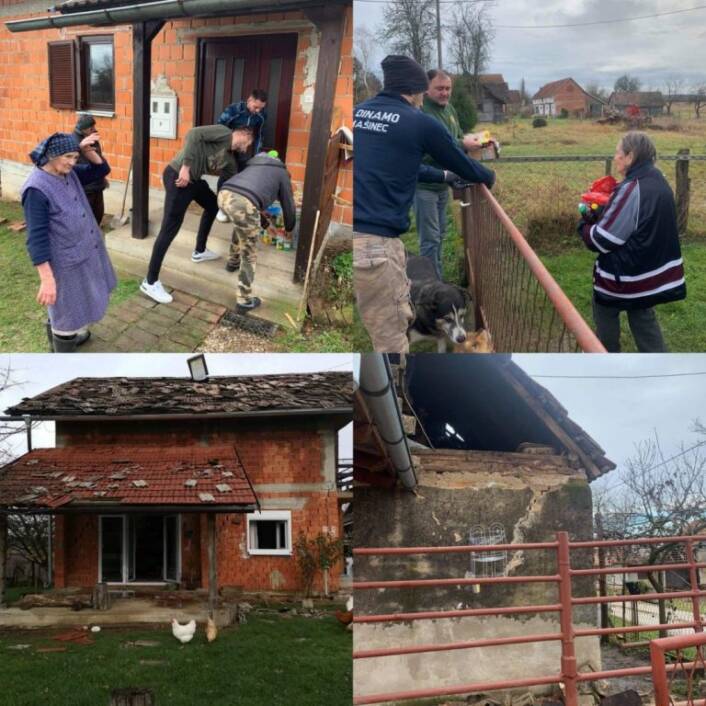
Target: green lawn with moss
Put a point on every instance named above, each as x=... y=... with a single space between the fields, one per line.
x=273 y=659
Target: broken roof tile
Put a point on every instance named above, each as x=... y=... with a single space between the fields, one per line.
x=158 y=483
x=220 y=395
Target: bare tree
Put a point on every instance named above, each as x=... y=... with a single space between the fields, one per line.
x=472 y=34
x=28 y=537
x=660 y=498
x=627 y=83
x=698 y=99
x=364 y=47
x=595 y=89
x=672 y=87
x=409 y=27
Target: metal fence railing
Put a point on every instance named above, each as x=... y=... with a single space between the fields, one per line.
x=561 y=601
x=515 y=297
x=683 y=674
x=642 y=613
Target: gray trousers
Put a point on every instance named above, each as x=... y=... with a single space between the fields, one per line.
x=430 y=216
x=643 y=325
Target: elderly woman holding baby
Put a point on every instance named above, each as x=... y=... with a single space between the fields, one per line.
x=64 y=241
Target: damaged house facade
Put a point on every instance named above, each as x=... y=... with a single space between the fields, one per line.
x=177 y=483
x=474 y=452
x=150 y=71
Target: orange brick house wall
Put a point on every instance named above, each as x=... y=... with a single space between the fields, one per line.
x=274 y=455
x=26 y=116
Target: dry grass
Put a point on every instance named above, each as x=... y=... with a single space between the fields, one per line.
x=542 y=197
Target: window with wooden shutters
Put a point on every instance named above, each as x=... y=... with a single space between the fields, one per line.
x=62 y=75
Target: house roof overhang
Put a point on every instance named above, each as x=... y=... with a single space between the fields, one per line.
x=103 y=13
x=106 y=479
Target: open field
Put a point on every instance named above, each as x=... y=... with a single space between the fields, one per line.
x=272 y=659
x=542 y=197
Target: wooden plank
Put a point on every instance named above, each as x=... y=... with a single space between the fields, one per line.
x=212 y=568
x=3 y=557
x=330 y=21
x=681 y=195
x=142 y=35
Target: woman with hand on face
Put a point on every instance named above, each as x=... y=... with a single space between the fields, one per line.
x=639 y=260
x=64 y=240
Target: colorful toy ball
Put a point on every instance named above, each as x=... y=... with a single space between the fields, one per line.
x=273 y=153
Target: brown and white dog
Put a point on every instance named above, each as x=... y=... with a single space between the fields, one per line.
x=440 y=308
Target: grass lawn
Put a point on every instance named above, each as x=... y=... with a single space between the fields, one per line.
x=268 y=660
x=682 y=322
x=21 y=318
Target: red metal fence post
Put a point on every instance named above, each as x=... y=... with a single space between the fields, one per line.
x=659 y=674
x=694 y=581
x=568 y=648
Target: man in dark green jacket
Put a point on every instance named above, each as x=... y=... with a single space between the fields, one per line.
x=209 y=149
x=431 y=199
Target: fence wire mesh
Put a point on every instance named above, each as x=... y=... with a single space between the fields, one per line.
x=541 y=194
x=515 y=297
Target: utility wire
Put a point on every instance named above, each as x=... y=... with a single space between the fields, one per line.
x=616 y=377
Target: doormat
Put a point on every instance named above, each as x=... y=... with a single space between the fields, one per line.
x=251 y=324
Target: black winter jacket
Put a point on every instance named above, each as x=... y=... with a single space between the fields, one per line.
x=640 y=262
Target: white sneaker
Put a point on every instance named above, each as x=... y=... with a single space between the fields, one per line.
x=156 y=291
x=204 y=256
x=221 y=217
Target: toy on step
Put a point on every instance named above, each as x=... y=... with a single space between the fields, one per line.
x=595 y=199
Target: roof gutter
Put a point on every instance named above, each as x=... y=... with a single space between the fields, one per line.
x=171 y=416
x=379 y=391
x=162 y=10
x=108 y=508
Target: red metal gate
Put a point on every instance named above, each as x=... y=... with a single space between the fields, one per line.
x=567 y=673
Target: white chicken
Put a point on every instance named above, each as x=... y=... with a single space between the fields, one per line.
x=183 y=633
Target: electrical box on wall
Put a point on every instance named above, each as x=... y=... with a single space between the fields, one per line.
x=163 y=110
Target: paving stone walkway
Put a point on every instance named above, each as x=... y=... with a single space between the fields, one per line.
x=139 y=325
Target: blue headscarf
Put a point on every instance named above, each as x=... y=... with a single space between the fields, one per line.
x=54 y=146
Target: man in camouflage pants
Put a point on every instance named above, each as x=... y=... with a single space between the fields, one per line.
x=242 y=198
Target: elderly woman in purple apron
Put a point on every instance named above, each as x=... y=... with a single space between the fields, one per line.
x=64 y=241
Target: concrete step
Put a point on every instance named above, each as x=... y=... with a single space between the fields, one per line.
x=209 y=280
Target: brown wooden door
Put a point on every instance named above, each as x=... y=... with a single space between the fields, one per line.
x=231 y=68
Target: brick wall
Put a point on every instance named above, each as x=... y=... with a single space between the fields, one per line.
x=275 y=454
x=26 y=117
x=76 y=550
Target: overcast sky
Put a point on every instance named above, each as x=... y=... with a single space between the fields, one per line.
x=36 y=373
x=619 y=413
x=652 y=49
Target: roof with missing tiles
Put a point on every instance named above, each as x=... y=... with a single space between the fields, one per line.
x=198 y=476
x=326 y=392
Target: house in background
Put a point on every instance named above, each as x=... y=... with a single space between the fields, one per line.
x=514 y=102
x=493 y=98
x=649 y=102
x=171 y=482
x=151 y=70
x=479 y=447
x=566 y=95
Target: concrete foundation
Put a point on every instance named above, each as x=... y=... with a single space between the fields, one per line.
x=532 y=497
x=126 y=611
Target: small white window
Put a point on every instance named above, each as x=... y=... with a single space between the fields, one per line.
x=270 y=532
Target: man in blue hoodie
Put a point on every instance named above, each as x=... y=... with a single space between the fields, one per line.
x=391 y=137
